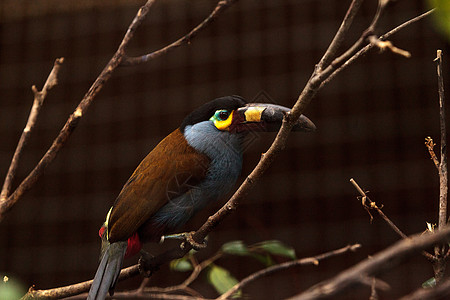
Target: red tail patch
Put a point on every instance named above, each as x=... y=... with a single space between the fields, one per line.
x=134 y=243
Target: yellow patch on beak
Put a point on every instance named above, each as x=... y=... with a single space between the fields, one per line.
x=253 y=113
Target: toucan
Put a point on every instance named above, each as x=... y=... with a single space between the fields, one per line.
x=194 y=165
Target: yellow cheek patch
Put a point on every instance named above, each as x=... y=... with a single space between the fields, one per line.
x=253 y=114
x=223 y=125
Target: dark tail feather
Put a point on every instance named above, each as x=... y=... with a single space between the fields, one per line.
x=108 y=271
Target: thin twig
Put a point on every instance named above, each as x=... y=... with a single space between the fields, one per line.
x=39 y=97
x=340 y=35
x=440 y=264
x=198 y=268
x=221 y=6
x=443 y=165
x=286 y=265
x=373 y=290
x=369 y=204
x=376 y=264
x=368 y=47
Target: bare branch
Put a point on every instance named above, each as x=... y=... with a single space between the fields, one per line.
x=364 y=50
x=74 y=118
x=372 y=205
x=74 y=289
x=221 y=6
x=340 y=35
x=39 y=97
x=283 y=266
x=443 y=165
x=440 y=264
x=312 y=87
x=369 y=204
x=376 y=264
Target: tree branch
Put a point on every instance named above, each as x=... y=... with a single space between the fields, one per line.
x=314 y=84
x=221 y=6
x=39 y=97
x=443 y=176
x=376 y=264
x=440 y=264
x=368 y=47
x=119 y=58
x=74 y=289
x=283 y=266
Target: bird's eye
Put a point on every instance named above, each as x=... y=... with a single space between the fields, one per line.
x=223 y=115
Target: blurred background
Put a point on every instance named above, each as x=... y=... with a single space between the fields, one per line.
x=372 y=121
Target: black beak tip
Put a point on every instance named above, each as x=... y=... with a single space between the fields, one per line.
x=304 y=124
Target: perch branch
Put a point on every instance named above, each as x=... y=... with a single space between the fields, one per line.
x=74 y=289
x=219 y=9
x=283 y=266
x=376 y=264
x=39 y=97
x=312 y=86
x=305 y=97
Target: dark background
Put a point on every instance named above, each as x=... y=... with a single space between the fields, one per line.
x=372 y=121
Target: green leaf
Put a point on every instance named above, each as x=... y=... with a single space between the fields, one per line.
x=10 y=289
x=266 y=259
x=275 y=247
x=181 y=265
x=430 y=283
x=221 y=279
x=441 y=15
x=235 y=248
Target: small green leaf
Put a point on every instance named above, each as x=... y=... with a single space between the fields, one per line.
x=220 y=279
x=181 y=265
x=430 y=283
x=441 y=16
x=266 y=259
x=235 y=248
x=275 y=247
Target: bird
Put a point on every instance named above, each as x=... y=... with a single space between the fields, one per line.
x=196 y=164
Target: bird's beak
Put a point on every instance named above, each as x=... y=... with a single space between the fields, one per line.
x=266 y=117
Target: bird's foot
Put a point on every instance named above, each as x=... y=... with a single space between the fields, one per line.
x=187 y=238
x=145 y=265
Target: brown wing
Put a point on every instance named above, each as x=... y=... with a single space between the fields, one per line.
x=170 y=169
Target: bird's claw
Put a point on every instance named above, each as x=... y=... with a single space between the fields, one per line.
x=188 y=238
x=145 y=266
